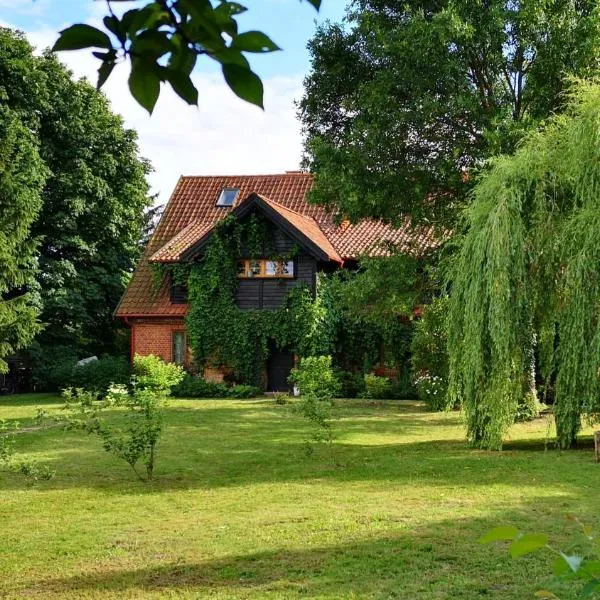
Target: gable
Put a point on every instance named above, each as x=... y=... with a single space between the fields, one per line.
x=302 y=229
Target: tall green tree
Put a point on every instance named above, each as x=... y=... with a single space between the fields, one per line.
x=405 y=96
x=22 y=175
x=91 y=215
x=528 y=269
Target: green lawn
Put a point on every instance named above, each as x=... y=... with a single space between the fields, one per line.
x=238 y=510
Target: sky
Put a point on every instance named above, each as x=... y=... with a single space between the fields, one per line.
x=223 y=135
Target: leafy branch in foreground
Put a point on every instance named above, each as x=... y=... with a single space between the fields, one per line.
x=581 y=570
x=163 y=40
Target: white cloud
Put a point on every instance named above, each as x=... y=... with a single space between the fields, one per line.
x=25 y=7
x=224 y=135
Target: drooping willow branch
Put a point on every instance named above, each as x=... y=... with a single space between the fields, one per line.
x=529 y=268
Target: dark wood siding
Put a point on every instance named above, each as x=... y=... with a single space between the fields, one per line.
x=271 y=293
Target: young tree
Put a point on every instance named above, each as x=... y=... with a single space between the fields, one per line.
x=406 y=96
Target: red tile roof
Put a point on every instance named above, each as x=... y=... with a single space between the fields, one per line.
x=192 y=212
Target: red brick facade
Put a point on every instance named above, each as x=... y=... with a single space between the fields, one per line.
x=155 y=336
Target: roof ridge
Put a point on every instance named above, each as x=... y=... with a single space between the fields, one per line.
x=233 y=176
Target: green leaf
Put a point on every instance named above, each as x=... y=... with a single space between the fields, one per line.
x=151 y=44
x=565 y=564
x=254 y=41
x=104 y=72
x=315 y=3
x=528 y=543
x=144 y=84
x=590 y=587
x=81 y=36
x=183 y=86
x=504 y=532
x=115 y=26
x=244 y=83
x=546 y=594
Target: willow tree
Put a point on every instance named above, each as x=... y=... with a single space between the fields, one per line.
x=528 y=269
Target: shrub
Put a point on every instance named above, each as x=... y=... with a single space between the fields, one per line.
x=243 y=391
x=351 y=385
x=314 y=375
x=429 y=354
x=99 y=375
x=432 y=390
x=193 y=386
x=151 y=372
x=528 y=409
x=377 y=387
x=52 y=372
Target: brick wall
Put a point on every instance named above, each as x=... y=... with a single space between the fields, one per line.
x=154 y=337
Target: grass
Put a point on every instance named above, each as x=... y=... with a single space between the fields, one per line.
x=238 y=510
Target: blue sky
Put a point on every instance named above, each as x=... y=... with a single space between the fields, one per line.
x=223 y=135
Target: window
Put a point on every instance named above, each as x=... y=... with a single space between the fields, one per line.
x=279 y=268
x=178 y=294
x=227 y=196
x=178 y=350
x=248 y=269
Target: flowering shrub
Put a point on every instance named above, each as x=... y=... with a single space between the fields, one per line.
x=432 y=390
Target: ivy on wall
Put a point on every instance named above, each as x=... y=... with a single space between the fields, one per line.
x=222 y=334
x=328 y=323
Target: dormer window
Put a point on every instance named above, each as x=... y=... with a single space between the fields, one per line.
x=227 y=197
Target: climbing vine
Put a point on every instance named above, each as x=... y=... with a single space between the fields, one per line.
x=220 y=333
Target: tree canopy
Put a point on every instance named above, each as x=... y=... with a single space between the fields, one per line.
x=22 y=175
x=528 y=273
x=406 y=97
x=164 y=39
x=88 y=222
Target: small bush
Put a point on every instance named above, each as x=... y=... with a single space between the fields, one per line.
x=351 y=385
x=243 y=391
x=429 y=353
x=528 y=409
x=280 y=398
x=151 y=372
x=193 y=386
x=135 y=438
x=432 y=390
x=377 y=387
x=99 y=375
x=51 y=372
x=314 y=375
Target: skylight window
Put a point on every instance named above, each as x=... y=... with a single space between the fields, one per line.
x=227 y=196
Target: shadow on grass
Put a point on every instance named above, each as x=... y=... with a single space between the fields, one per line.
x=209 y=446
x=440 y=560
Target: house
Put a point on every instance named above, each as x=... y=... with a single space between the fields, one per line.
x=156 y=313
